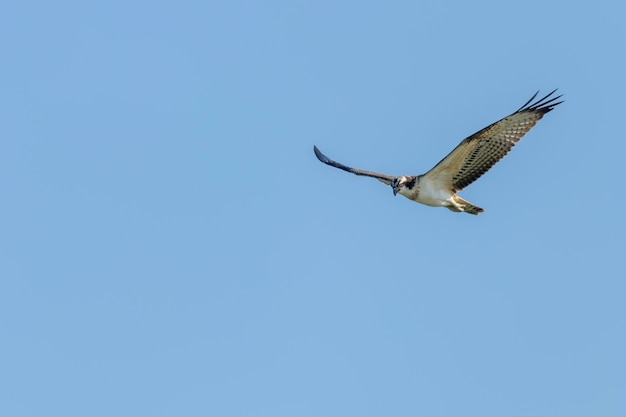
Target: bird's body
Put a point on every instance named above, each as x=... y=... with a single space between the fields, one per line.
x=432 y=193
x=465 y=164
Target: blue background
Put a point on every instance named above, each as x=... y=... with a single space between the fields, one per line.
x=170 y=246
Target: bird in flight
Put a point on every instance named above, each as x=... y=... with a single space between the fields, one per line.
x=466 y=163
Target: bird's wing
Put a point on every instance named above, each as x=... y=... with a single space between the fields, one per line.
x=386 y=179
x=479 y=152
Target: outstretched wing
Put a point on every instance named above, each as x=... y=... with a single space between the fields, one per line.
x=386 y=179
x=479 y=152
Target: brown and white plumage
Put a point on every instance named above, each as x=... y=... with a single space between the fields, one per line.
x=466 y=163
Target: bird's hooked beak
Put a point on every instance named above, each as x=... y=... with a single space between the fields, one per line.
x=395 y=191
x=394 y=186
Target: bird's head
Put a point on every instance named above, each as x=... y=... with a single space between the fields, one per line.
x=403 y=184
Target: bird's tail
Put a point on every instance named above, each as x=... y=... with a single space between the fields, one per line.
x=466 y=206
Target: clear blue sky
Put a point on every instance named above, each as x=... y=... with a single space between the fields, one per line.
x=170 y=246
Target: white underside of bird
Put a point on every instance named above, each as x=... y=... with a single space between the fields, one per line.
x=430 y=193
x=434 y=193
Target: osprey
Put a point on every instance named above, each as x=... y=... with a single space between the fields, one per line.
x=466 y=163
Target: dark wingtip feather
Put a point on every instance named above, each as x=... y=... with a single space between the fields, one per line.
x=528 y=102
x=544 y=104
x=323 y=158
